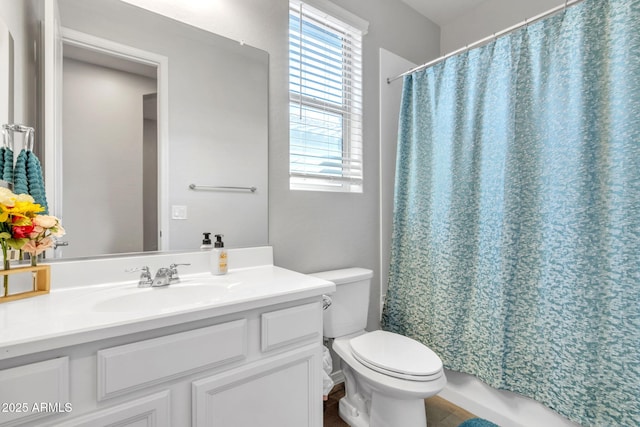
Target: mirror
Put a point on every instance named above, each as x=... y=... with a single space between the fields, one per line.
x=6 y=74
x=212 y=132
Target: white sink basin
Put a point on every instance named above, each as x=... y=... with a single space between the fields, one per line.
x=190 y=293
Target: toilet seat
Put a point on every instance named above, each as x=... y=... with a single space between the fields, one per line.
x=396 y=355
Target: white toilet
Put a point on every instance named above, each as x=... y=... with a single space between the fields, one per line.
x=387 y=376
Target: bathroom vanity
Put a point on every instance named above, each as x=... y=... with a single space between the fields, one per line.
x=243 y=349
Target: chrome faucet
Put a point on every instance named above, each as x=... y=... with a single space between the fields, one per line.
x=167 y=276
x=145 y=276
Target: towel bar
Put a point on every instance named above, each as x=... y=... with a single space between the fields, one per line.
x=220 y=187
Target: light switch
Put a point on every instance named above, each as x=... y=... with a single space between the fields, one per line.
x=178 y=212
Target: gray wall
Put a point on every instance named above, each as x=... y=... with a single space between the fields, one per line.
x=103 y=157
x=489 y=17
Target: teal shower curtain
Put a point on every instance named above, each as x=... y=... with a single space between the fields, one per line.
x=516 y=243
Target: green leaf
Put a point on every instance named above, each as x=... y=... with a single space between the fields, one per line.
x=17 y=243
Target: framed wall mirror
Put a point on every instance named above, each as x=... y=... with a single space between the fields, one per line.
x=201 y=98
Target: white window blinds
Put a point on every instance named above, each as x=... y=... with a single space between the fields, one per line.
x=325 y=101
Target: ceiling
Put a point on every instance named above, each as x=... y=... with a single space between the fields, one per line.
x=442 y=11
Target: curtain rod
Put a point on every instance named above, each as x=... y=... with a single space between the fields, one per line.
x=488 y=39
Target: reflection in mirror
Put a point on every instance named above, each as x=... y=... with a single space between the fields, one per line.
x=216 y=135
x=6 y=75
x=117 y=137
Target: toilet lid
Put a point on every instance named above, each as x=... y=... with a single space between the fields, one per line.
x=396 y=355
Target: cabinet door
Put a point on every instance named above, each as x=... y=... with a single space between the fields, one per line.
x=280 y=391
x=150 y=411
x=34 y=391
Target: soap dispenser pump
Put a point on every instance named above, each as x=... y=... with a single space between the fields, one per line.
x=206 y=242
x=219 y=256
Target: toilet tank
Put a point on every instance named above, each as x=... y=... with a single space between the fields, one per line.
x=349 y=303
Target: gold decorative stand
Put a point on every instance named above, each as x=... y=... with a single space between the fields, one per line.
x=41 y=280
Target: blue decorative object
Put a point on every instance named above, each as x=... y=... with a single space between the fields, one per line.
x=7 y=164
x=27 y=178
x=516 y=243
x=3 y=151
x=20 y=183
x=35 y=180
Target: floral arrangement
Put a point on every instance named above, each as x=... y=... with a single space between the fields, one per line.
x=23 y=228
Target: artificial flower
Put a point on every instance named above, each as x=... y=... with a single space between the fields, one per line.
x=21 y=226
x=35 y=248
x=39 y=236
x=45 y=221
x=17 y=212
x=22 y=231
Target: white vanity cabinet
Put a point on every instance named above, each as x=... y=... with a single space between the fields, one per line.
x=257 y=367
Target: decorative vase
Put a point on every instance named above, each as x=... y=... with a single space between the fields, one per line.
x=5 y=278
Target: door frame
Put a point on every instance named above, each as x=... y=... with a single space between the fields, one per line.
x=53 y=114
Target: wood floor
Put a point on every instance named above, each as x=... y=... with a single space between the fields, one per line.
x=440 y=412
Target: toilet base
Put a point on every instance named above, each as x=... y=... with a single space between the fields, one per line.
x=385 y=412
x=388 y=412
x=351 y=415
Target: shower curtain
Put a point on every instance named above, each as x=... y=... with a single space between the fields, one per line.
x=516 y=242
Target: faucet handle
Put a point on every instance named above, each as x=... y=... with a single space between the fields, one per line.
x=173 y=266
x=144 y=269
x=145 y=276
x=174 y=270
x=173 y=273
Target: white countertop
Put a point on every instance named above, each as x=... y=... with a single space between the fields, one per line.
x=73 y=315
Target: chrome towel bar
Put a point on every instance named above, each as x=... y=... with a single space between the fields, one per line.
x=220 y=187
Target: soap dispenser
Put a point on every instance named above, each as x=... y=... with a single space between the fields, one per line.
x=206 y=242
x=219 y=256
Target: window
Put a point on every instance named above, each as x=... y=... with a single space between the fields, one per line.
x=325 y=99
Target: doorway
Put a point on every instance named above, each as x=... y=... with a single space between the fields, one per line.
x=112 y=147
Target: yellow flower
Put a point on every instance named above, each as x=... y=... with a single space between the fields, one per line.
x=17 y=204
x=25 y=207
